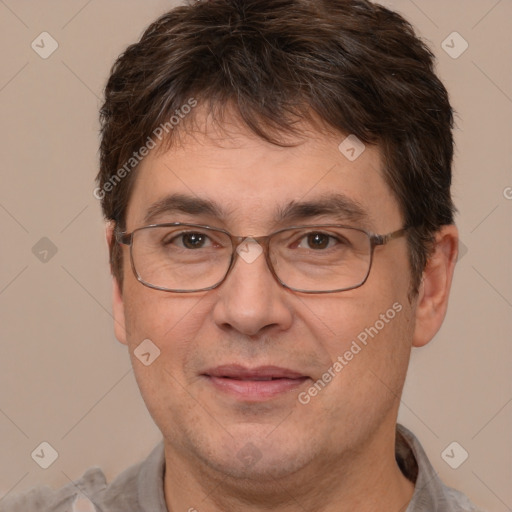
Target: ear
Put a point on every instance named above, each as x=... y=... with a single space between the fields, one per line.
x=117 y=296
x=432 y=300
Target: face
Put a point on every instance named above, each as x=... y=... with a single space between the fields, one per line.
x=205 y=390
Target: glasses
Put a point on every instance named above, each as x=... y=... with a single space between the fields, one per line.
x=184 y=258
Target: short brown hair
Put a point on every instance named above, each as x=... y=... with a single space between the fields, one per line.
x=356 y=65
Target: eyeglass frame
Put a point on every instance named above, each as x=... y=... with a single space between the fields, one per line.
x=126 y=238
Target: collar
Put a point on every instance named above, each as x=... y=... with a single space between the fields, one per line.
x=430 y=494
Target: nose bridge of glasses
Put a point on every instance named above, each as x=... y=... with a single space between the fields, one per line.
x=249 y=248
x=237 y=240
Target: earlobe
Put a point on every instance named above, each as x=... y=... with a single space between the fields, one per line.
x=432 y=301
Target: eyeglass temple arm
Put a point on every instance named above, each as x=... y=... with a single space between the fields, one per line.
x=384 y=239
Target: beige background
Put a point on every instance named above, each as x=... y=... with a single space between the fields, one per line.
x=64 y=378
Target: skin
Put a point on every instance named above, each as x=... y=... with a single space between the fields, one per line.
x=335 y=453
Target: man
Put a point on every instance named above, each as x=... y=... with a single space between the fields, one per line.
x=276 y=180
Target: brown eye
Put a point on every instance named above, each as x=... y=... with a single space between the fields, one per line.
x=190 y=240
x=193 y=240
x=318 y=241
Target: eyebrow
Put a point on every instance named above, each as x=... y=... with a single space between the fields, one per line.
x=335 y=205
x=181 y=203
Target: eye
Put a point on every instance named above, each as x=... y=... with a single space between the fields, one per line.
x=317 y=241
x=190 y=240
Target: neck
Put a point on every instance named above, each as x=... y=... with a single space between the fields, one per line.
x=366 y=480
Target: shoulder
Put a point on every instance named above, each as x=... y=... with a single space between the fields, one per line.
x=430 y=493
x=138 y=487
x=92 y=483
x=459 y=501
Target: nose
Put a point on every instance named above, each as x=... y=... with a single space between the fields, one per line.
x=250 y=300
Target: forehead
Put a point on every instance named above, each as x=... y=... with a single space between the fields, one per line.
x=249 y=183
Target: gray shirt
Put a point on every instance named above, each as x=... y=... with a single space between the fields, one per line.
x=140 y=487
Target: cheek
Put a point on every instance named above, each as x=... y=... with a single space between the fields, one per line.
x=153 y=312
x=368 y=333
x=373 y=358
x=171 y=323
x=337 y=320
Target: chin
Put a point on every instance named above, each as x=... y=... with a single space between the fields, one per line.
x=256 y=458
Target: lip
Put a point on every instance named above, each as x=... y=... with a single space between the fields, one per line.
x=254 y=384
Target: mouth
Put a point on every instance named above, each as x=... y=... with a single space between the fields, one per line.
x=254 y=384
